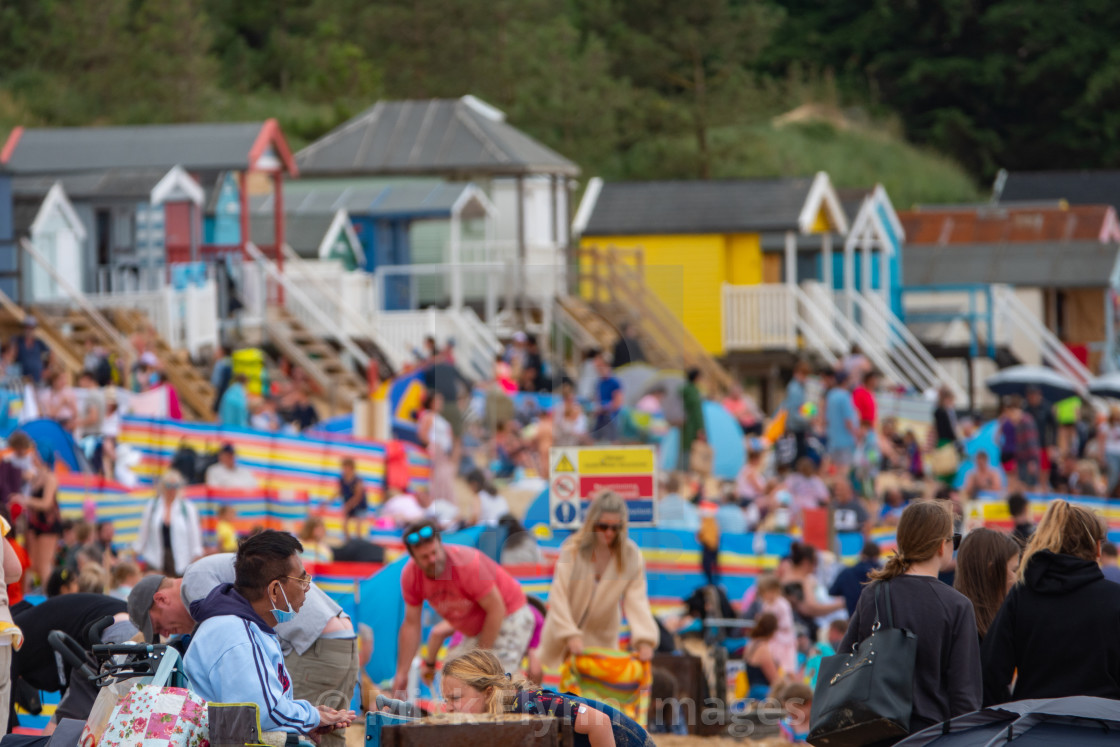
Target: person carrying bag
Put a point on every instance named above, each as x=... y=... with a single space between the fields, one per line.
x=866 y=696
x=915 y=660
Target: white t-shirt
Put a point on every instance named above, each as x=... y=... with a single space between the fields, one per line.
x=403 y=509
x=440 y=436
x=491 y=507
x=1111 y=439
x=218 y=476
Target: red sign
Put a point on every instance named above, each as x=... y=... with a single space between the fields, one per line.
x=565 y=486
x=628 y=487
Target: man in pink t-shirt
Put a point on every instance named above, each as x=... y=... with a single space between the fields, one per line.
x=468 y=590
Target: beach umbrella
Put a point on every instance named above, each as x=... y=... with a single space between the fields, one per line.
x=1018 y=379
x=633 y=377
x=1107 y=385
x=1078 y=720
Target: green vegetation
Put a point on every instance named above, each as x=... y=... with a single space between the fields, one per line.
x=633 y=89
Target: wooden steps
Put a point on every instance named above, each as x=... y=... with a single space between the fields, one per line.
x=194 y=390
x=338 y=382
x=613 y=287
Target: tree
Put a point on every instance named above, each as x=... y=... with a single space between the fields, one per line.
x=174 y=69
x=684 y=55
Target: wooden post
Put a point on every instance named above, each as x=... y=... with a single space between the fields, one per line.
x=278 y=225
x=791 y=258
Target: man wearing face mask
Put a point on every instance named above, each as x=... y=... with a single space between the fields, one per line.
x=319 y=644
x=235 y=654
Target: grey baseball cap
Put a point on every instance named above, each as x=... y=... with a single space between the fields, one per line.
x=140 y=604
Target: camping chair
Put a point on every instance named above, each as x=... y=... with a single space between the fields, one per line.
x=239 y=725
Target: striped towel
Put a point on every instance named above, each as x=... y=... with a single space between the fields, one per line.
x=609 y=676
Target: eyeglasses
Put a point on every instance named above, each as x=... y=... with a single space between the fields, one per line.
x=955 y=539
x=304 y=581
x=420 y=535
x=601 y=527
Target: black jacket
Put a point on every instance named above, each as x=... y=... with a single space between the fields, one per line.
x=947 y=668
x=1060 y=629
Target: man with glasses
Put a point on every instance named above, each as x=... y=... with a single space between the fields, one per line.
x=319 y=645
x=235 y=655
x=470 y=591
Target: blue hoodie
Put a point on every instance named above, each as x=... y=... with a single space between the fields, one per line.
x=231 y=645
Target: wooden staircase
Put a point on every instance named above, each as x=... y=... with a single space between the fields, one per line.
x=194 y=389
x=612 y=290
x=339 y=383
x=62 y=352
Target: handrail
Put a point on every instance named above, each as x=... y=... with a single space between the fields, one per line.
x=667 y=329
x=119 y=341
x=1051 y=348
x=852 y=332
x=940 y=375
x=301 y=298
x=350 y=318
x=894 y=346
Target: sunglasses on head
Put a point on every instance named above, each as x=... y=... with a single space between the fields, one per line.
x=420 y=535
x=603 y=527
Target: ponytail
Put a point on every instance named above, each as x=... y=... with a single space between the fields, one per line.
x=1065 y=529
x=922 y=528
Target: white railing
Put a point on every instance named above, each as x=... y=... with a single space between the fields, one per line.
x=186 y=318
x=1033 y=338
x=506 y=250
x=79 y=299
x=475 y=345
x=117 y=279
x=300 y=305
x=818 y=304
x=343 y=294
x=759 y=317
x=891 y=339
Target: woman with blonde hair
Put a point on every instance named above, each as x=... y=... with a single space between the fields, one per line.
x=475 y=682
x=1058 y=626
x=987 y=568
x=946 y=668
x=599 y=568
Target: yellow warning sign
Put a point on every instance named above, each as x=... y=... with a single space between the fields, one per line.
x=615 y=461
x=564 y=465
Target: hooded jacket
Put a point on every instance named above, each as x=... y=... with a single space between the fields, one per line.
x=235 y=657
x=1060 y=629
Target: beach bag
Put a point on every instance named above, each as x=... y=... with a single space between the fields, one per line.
x=866 y=696
x=945 y=461
x=609 y=676
x=157 y=715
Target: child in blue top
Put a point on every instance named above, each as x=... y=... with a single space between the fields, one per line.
x=475 y=682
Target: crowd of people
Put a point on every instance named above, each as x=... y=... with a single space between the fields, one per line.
x=984 y=607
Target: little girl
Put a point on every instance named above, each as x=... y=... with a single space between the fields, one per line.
x=476 y=683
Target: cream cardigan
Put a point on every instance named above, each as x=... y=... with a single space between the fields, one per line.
x=578 y=605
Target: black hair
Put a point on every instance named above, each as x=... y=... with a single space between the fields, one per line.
x=693 y=375
x=416 y=526
x=1109 y=549
x=59 y=578
x=261 y=559
x=800 y=552
x=1016 y=504
x=476 y=478
x=870 y=551
x=510 y=523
